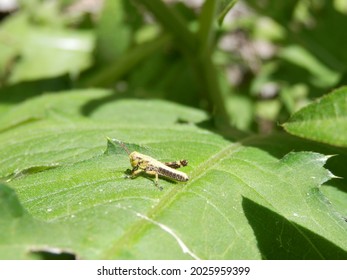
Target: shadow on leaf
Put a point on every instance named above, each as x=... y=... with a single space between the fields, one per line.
x=24 y=90
x=279 y=238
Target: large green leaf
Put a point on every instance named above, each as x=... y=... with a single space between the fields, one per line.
x=65 y=189
x=324 y=120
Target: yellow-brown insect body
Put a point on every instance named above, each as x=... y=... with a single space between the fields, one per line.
x=153 y=167
x=143 y=163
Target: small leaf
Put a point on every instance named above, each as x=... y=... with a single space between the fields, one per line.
x=322 y=76
x=324 y=120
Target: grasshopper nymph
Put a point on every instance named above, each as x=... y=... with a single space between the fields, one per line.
x=142 y=163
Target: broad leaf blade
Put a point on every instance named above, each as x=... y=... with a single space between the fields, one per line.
x=323 y=120
x=241 y=201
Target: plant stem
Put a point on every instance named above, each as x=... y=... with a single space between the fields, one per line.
x=171 y=21
x=198 y=47
x=119 y=68
x=204 y=64
x=207 y=26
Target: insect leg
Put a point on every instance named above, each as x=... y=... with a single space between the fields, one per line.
x=176 y=164
x=154 y=171
x=134 y=172
x=156 y=182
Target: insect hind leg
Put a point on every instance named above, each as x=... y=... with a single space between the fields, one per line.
x=176 y=164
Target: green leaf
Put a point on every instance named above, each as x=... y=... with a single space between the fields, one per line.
x=63 y=105
x=13 y=94
x=42 y=52
x=49 y=53
x=322 y=76
x=281 y=11
x=172 y=21
x=320 y=41
x=113 y=34
x=323 y=120
x=12 y=28
x=66 y=191
x=127 y=62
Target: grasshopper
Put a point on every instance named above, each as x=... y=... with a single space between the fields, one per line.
x=143 y=163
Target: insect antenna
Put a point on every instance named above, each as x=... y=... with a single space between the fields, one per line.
x=123 y=146
x=120 y=143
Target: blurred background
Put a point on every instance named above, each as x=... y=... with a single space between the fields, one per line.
x=249 y=63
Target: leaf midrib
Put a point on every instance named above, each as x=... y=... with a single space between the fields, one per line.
x=167 y=199
x=129 y=236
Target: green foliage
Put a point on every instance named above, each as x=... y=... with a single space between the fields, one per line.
x=44 y=52
x=324 y=120
x=173 y=82
x=69 y=181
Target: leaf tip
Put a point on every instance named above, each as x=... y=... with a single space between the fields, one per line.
x=112 y=145
x=113 y=140
x=330 y=156
x=109 y=139
x=323 y=158
x=333 y=176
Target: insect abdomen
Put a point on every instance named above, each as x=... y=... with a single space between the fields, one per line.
x=176 y=175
